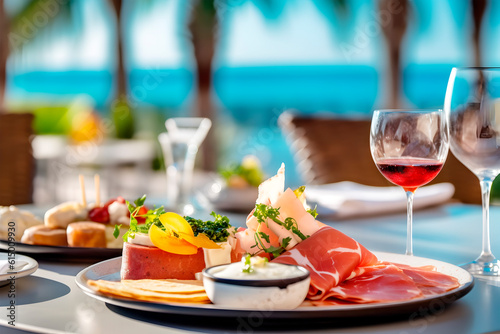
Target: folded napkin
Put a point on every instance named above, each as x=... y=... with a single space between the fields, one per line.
x=6 y=269
x=348 y=199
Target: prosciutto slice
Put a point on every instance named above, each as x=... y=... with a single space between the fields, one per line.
x=381 y=284
x=428 y=280
x=330 y=256
x=344 y=272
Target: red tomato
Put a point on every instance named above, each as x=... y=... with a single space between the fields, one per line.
x=141 y=212
x=99 y=215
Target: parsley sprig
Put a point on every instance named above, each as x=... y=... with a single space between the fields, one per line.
x=263 y=212
x=152 y=217
x=217 y=230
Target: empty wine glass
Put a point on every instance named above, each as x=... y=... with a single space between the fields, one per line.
x=180 y=145
x=472 y=105
x=409 y=148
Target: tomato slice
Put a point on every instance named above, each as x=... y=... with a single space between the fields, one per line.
x=140 y=215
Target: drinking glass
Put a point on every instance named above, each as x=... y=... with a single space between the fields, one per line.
x=180 y=145
x=409 y=148
x=472 y=105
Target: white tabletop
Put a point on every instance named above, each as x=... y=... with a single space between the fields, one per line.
x=50 y=302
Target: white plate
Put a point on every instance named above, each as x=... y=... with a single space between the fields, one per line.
x=110 y=270
x=28 y=269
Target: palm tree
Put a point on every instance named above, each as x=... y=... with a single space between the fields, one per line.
x=120 y=109
x=478 y=8
x=394 y=32
x=202 y=29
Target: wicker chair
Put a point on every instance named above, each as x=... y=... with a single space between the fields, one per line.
x=330 y=150
x=17 y=166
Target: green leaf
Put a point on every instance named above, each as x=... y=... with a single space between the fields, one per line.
x=116 y=231
x=140 y=201
x=264 y=236
x=313 y=212
x=247 y=267
x=285 y=242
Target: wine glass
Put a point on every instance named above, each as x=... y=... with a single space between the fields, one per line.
x=472 y=105
x=180 y=145
x=409 y=148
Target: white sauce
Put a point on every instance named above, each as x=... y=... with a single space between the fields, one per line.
x=260 y=271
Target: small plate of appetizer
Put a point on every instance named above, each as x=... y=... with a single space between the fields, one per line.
x=72 y=230
x=239 y=185
x=285 y=260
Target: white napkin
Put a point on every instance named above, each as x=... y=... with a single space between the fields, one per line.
x=348 y=199
x=5 y=266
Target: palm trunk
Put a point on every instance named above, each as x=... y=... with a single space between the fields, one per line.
x=4 y=51
x=394 y=31
x=120 y=75
x=478 y=8
x=120 y=108
x=202 y=28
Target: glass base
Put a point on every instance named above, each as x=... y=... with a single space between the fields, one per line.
x=490 y=269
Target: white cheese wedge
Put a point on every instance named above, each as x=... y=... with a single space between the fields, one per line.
x=214 y=257
x=140 y=239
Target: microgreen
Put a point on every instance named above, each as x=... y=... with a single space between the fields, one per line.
x=247 y=267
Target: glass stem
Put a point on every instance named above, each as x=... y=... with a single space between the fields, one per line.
x=409 y=223
x=485 y=193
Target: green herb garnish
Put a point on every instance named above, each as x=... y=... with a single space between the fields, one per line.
x=216 y=230
x=313 y=212
x=249 y=170
x=264 y=212
x=152 y=217
x=247 y=267
x=116 y=231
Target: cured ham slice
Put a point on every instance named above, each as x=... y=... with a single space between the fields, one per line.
x=344 y=272
x=381 y=284
x=272 y=192
x=291 y=206
x=330 y=256
x=428 y=280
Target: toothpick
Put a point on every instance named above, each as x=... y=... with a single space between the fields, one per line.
x=82 y=188
x=97 y=190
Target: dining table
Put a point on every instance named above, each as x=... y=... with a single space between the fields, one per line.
x=50 y=301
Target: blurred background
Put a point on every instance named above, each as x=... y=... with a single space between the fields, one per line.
x=93 y=81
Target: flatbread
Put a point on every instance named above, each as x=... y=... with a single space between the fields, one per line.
x=143 y=293
x=167 y=286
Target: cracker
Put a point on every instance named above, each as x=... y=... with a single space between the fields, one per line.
x=128 y=290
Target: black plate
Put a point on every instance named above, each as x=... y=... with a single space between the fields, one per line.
x=62 y=252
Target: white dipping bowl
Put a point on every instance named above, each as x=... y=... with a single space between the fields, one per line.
x=257 y=294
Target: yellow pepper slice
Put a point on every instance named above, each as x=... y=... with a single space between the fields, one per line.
x=201 y=240
x=179 y=236
x=169 y=243
x=176 y=223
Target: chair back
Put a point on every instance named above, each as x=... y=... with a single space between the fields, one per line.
x=328 y=150
x=17 y=166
